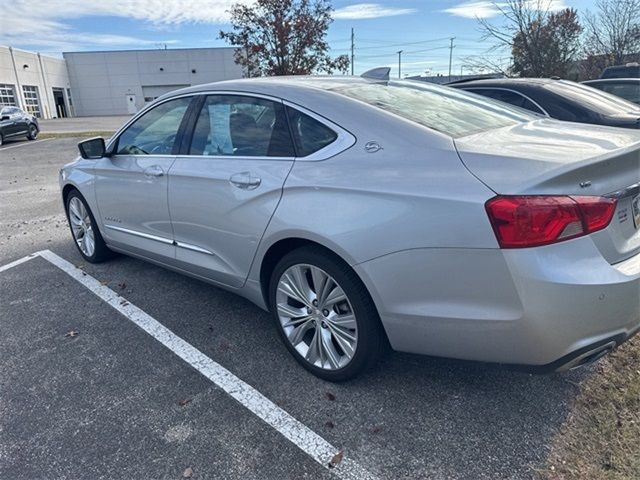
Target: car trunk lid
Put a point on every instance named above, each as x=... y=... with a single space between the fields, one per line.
x=547 y=157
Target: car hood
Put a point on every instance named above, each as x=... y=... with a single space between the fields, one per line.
x=552 y=157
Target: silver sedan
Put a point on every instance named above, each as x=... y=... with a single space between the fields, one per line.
x=365 y=213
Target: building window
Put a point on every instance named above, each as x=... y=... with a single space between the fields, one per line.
x=31 y=100
x=7 y=95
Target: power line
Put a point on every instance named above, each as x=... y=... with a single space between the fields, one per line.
x=402 y=44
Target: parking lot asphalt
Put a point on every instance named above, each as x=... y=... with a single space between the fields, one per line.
x=106 y=402
x=83 y=124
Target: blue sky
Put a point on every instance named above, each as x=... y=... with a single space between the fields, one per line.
x=421 y=28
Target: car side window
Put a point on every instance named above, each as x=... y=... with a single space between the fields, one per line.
x=309 y=134
x=241 y=126
x=155 y=132
x=507 y=96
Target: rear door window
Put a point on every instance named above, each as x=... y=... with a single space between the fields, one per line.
x=241 y=126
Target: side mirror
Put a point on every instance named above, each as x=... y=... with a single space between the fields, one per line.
x=4 y=117
x=92 y=148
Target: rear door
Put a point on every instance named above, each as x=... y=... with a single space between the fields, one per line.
x=226 y=186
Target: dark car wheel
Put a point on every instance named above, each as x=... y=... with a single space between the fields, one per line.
x=33 y=132
x=325 y=315
x=1 y=140
x=84 y=230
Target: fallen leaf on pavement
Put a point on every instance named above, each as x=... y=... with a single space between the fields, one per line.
x=337 y=458
x=71 y=333
x=184 y=401
x=329 y=424
x=330 y=396
x=187 y=473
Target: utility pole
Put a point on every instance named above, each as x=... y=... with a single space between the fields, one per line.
x=451 y=55
x=353 y=46
x=400 y=64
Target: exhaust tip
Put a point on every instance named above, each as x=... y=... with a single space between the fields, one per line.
x=588 y=357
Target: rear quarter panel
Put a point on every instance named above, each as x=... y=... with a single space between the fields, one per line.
x=413 y=193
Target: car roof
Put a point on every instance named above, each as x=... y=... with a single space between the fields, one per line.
x=274 y=85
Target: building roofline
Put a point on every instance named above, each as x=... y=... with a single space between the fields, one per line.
x=148 y=50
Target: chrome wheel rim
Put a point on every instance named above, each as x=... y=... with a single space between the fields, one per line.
x=316 y=317
x=81 y=227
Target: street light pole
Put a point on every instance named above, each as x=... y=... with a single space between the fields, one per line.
x=400 y=64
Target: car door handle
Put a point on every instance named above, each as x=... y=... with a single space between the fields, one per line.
x=245 y=180
x=153 y=171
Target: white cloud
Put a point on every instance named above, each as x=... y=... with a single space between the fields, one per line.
x=488 y=9
x=41 y=22
x=360 y=11
x=474 y=10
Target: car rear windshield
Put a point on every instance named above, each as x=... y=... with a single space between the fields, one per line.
x=443 y=109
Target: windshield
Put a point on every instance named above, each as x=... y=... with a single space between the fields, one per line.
x=443 y=109
x=592 y=98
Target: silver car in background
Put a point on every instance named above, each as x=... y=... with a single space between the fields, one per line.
x=363 y=213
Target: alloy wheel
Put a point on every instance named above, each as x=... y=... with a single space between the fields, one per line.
x=82 y=227
x=316 y=316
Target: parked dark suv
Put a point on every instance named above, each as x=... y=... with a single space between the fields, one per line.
x=630 y=70
x=559 y=99
x=15 y=123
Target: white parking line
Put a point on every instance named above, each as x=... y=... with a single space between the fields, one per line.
x=296 y=432
x=19 y=261
x=2 y=149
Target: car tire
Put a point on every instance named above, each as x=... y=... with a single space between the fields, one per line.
x=371 y=341
x=83 y=227
x=33 y=132
x=1 y=140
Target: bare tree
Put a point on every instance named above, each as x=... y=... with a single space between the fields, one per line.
x=613 y=32
x=542 y=41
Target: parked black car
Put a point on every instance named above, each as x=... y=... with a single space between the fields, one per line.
x=560 y=99
x=627 y=88
x=15 y=123
x=630 y=70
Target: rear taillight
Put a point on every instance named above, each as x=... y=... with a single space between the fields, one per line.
x=534 y=220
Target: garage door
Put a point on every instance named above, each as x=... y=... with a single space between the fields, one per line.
x=151 y=92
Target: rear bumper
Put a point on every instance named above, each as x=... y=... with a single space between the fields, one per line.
x=541 y=307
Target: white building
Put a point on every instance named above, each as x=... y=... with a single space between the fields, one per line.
x=121 y=82
x=36 y=83
x=106 y=83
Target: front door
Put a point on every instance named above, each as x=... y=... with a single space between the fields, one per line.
x=10 y=125
x=224 y=192
x=131 y=185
